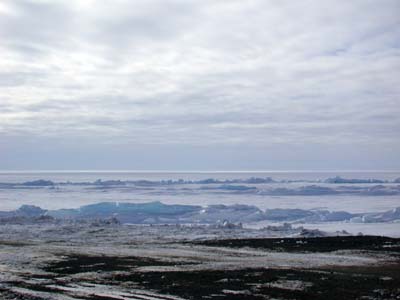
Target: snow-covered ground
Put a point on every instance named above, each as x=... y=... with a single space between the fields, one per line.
x=75 y=261
x=391 y=229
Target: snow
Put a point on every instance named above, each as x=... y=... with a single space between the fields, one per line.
x=215 y=216
x=26 y=249
x=337 y=200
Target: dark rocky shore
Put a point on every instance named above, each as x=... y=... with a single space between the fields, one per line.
x=147 y=263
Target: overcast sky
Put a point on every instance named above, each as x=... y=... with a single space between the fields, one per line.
x=200 y=85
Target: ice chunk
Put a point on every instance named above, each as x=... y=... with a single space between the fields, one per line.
x=40 y=182
x=30 y=211
x=339 y=179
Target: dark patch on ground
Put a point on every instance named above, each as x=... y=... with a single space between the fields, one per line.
x=34 y=287
x=332 y=282
x=6 y=294
x=259 y=283
x=74 y=264
x=14 y=243
x=317 y=244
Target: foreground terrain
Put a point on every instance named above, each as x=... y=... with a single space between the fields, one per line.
x=110 y=262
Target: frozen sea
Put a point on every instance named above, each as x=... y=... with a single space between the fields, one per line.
x=73 y=189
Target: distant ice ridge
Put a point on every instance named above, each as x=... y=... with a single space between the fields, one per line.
x=339 y=179
x=251 y=180
x=100 y=182
x=159 y=213
x=253 y=185
x=316 y=190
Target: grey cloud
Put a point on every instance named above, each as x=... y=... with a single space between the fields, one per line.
x=198 y=73
x=20 y=78
x=37 y=23
x=144 y=21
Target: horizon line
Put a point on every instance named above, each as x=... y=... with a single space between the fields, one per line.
x=188 y=171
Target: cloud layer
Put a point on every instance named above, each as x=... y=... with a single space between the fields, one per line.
x=197 y=73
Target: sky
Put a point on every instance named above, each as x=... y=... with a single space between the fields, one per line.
x=199 y=85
